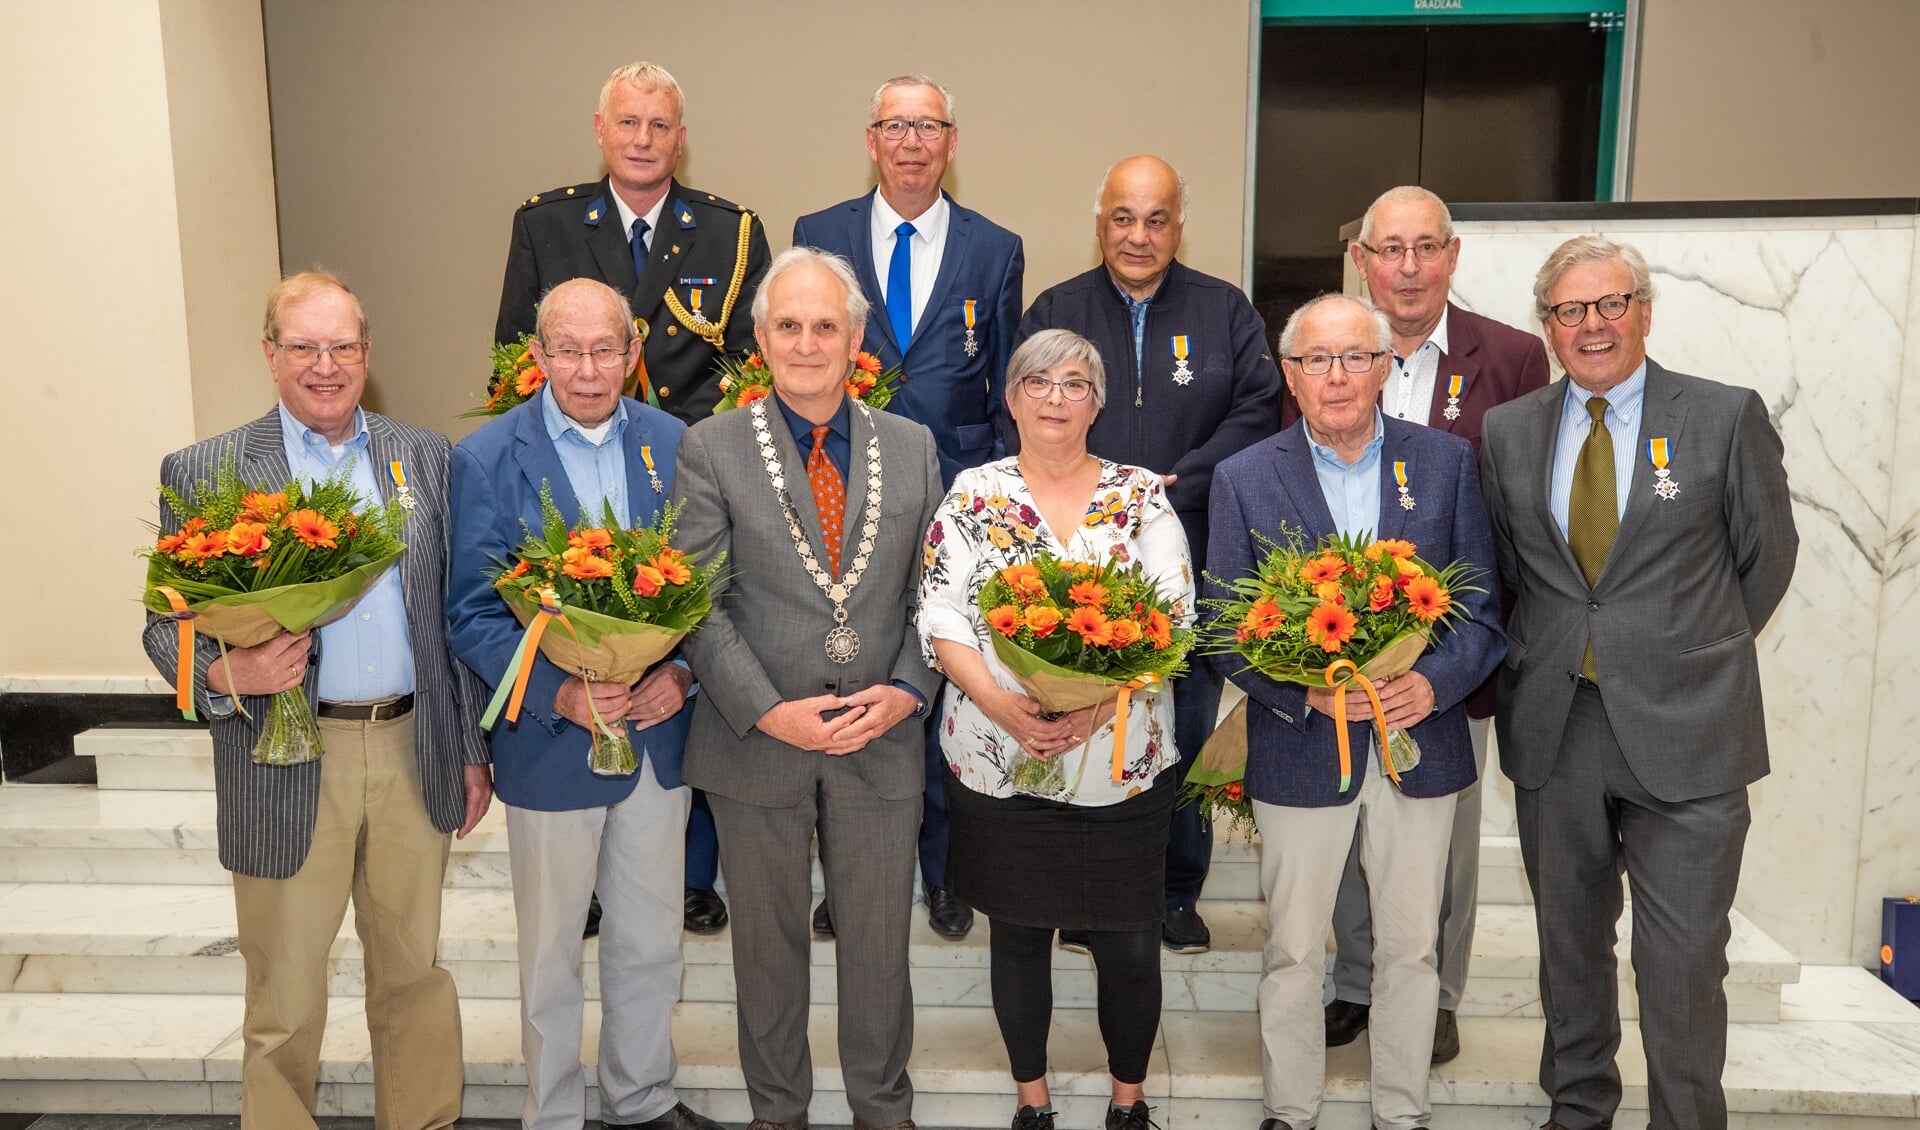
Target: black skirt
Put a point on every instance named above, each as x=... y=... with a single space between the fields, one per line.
x=1049 y=865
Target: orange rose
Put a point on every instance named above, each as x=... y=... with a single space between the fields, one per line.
x=593 y=541
x=1330 y=626
x=647 y=580
x=1323 y=568
x=1043 y=619
x=1088 y=594
x=248 y=539
x=1005 y=620
x=1263 y=619
x=1126 y=633
x=1427 y=600
x=1382 y=597
x=1024 y=580
x=1330 y=592
x=1092 y=625
x=673 y=569
x=313 y=529
x=859 y=385
x=1159 y=629
x=583 y=565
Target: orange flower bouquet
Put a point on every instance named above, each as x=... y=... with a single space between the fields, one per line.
x=602 y=602
x=1344 y=613
x=517 y=376
x=240 y=564
x=1076 y=634
x=743 y=382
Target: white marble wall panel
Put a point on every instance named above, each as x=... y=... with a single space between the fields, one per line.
x=1818 y=316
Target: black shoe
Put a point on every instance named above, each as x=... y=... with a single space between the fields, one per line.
x=1130 y=1118
x=705 y=913
x=1345 y=1022
x=949 y=917
x=1182 y=931
x=1026 y=1118
x=1446 y=1036
x=679 y=1118
x=822 y=921
x=1276 y=1124
x=593 y=917
x=1075 y=941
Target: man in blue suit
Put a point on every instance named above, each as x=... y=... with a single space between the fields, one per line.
x=571 y=832
x=1347 y=469
x=945 y=287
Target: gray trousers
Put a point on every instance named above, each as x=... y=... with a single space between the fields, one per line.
x=1459 y=900
x=867 y=851
x=1682 y=860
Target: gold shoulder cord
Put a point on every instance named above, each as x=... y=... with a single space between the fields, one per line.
x=715 y=333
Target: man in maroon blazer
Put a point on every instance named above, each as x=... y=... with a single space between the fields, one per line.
x=1449 y=367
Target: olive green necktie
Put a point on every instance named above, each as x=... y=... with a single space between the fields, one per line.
x=1593 y=515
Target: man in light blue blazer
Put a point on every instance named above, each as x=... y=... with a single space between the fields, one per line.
x=1345 y=468
x=569 y=831
x=949 y=322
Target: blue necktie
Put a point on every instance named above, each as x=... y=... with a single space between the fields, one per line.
x=900 y=286
x=639 y=247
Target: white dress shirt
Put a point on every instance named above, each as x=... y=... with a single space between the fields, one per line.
x=1408 y=394
x=929 y=245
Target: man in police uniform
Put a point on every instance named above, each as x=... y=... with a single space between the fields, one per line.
x=688 y=261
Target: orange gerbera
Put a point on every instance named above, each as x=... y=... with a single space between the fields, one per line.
x=174 y=540
x=259 y=506
x=1043 y=619
x=672 y=569
x=1264 y=619
x=1087 y=594
x=1330 y=592
x=1025 y=580
x=1427 y=599
x=583 y=565
x=1005 y=620
x=1092 y=625
x=1159 y=629
x=313 y=528
x=1392 y=547
x=749 y=395
x=528 y=381
x=647 y=580
x=200 y=548
x=593 y=541
x=520 y=569
x=1323 y=568
x=248 y=539
x=1382 y=597
x=1330 y=626
x=867 y=362
x=1126 y=633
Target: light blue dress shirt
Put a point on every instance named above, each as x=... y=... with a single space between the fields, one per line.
x=365 y=654
x=596 y=471
x=1624 y=402
x=1352 y=490
x=1137 y=314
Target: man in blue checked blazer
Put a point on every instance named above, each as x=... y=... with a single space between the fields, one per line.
x=404 y=764
x=570 y=831
x=1340 y=470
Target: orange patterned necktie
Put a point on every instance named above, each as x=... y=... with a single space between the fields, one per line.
x=829 y=496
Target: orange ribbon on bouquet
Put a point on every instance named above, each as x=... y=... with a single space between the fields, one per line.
x=183 y=677
x=1120 y=721
x=513 y=690
x=1335 y=669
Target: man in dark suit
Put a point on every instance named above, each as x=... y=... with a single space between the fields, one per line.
x=403 y=765
x=812 y=688
x=688 y=263
x=1643 y=524
x=568 y=828
x=949 y=324
x=1449 y=366
x=1345 y=468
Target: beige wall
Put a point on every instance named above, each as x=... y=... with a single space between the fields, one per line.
x=1777 y=99
x=406 y=139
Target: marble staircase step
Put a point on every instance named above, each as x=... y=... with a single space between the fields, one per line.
x=106 y=938
x=1830 y=1064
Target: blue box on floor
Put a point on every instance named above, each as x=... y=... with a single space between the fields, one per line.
x=1900 y=945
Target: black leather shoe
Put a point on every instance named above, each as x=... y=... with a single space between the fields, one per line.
x=1345 y=1022
x=679 y=1118
x=1276 y=1124
x=1026 y=1118
x=949 y=917
x=822 y=921
x=1182 y=931
x=593 y=917
x=1446 y=1036
x=705 y=913
x=1075 y=941
x=1130 y=1117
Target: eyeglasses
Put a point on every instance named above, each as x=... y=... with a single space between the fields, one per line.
x=1039 y=387
x=626 y=127
x=303 y=353
x=929 y=129
x=1611 y=307
x=1320 y=364
x=604 y=356
x=1426 y=252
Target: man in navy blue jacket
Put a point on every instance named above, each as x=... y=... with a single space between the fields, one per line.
x=1190 y=381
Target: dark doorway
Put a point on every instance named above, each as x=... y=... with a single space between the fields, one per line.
x=1474 y=112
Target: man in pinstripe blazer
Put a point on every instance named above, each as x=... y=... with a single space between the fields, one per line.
x=404 y=762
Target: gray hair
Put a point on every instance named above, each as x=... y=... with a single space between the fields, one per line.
x=1289 y=336
x=1407 y=194
x=1100 y=193
x=547 y=310
x=1049 y=349
x=792 y=259
x=643 y=75
x=1585 y=250
x=946 y=96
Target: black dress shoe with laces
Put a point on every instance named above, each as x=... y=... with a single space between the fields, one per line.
x=679 y=1118
x=705 y=913
x=822 y=921
x=949 y=917
x=593 y=917
x=1345 y=1022
x=1130 y=1117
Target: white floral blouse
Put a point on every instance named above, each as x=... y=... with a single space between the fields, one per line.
x=989 y=521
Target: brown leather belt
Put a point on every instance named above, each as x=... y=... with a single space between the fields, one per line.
x=368 y=711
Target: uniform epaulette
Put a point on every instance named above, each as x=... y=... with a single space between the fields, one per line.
x=571 y=192
x=695 y=196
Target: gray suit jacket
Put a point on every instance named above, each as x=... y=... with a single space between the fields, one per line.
x=1688 y=584
x=765 y=641
x=265 y=813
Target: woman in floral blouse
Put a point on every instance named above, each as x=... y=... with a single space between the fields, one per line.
x=1095 y=864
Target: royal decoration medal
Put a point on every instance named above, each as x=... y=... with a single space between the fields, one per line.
x=693 y=304
x=1452 y=410
x=1664 y=486
x=653 y=476
x=1400 y=476
x=1181 y=374
x=972 y=346
x=401 y=490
